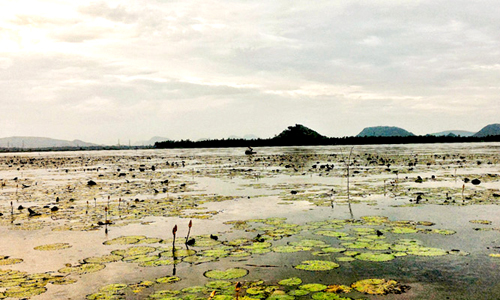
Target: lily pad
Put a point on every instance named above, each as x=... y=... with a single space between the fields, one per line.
x=328 y=296
x=290 y=281
x=231 y=273
x=369 y=256
x=51 y=247
x=317 y=265
x=313 y=287
x=378 y=287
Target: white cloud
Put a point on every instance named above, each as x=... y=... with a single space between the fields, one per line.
x=215 y=68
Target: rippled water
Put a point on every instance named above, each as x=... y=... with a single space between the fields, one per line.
x=260 y=187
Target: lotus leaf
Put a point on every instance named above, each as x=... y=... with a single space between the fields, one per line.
x=125 y=240
x=368 y=256
x=218 y=284
x=231 y=273
x=10 y=261
x=156 y=262
x=331 y=233
x=308 y=243
x=427 y=251
x=221 y=252
x=484 y=222
x=317 y=265
x=195 y=289
x=178 y=253
x=136 y=250
x=50 y=247
x=313 y=287
x=165 y=294
x=332 y=250
x=328 y=296
x=375 y=219
x=24 y=292
x=103 y=259
x=404 y=230
x=298 y=293
x=378 y=286
x=82 y=269
x=290 y=281
x=168 y=279
x=198 y=259
x=334 y=288
x=112 y=288
x=239 y=253
x=443 y=231
x=289 y=249
x=280 y=297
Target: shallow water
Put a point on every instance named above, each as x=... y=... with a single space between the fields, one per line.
x=220 y=185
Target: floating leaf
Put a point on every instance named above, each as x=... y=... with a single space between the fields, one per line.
x=484 y=222
x=378 y=286
x=313 y=287
x=369 y=256
x=10 y=261
x=328 y=296
x=103 y=259
x=125 y=240
x=334 y=288
x=50 y=247
x=231 y=273
x=317 y=265
x=82 y=269
x=290 y=281
x=427 y=251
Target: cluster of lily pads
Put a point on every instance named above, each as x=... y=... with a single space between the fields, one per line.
x=223 y=287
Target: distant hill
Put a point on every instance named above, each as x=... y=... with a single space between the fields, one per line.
x=151 y=141
x=31 y=142
x=492 y=129
x=299 y=134
x=245 y=137
x=453 y=133
x=384 y=131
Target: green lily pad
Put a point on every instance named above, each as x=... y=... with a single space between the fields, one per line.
x=378 y=287
x=317 y=265
x=484 y=222
x=103 y=259
x=51 y=247
x=290 y=281
x=82 y=269
x=10 y=261
x=231 y=273
x=427 y=251
x=328 y=296
x=313 y=287
x=289 y=249
x=280 y=297
x=368 y=256
x=331 y=233
x=218 y=284
x=125 y=240
x=298 y=293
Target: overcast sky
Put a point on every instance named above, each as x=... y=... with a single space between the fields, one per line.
x=129 y=70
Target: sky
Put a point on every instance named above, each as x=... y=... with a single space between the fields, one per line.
x=110 y=71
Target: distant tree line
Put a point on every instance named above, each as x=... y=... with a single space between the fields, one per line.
x=322 y=141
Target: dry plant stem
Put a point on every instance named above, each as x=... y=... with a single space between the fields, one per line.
x=189 y=230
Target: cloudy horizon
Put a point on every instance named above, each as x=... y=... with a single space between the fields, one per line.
x=105 y=71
